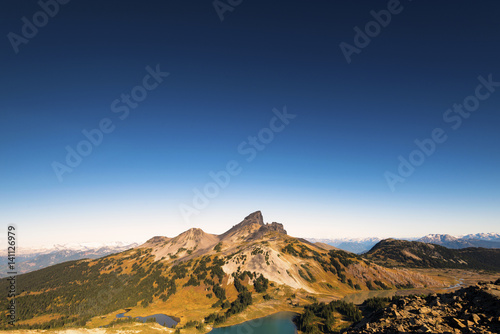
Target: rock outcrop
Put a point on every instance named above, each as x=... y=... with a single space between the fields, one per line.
x=475 y=309
x=273 y=227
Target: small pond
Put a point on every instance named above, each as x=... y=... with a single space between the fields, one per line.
x=161 y=319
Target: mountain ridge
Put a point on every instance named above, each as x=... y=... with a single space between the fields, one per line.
x=197 y=274
x=402 y=253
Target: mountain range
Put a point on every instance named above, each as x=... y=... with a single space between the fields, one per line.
x=484 y=240
x=353 y=245
x=28 y=260
x=363 y=245
x=253 y=267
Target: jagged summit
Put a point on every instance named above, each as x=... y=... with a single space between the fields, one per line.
x=251 y=224
x=253 y=218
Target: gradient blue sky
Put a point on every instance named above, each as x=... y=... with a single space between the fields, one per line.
x=322 y=176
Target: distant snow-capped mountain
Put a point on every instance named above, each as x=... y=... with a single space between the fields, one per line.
x=353 y=245
x=30 y=259
x=361 y=245
x=484 y=240
x=483 y=236
x=84 y=246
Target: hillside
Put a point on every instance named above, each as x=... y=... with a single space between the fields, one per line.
x=194 y=276
x=400 y=253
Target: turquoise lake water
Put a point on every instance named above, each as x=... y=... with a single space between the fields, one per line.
x=278 y=323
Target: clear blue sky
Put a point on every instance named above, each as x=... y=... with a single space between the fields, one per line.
x=322 y=175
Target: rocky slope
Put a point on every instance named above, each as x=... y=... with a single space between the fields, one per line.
x=475 y=309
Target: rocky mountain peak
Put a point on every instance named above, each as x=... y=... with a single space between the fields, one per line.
x=251 y=224
x=275 y=227
x=193 y=233
x=155 y=241
x=253 y=218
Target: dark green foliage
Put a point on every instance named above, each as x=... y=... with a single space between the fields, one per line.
x=237 y=284
x=342 y=277
x=210 y=318
x=192 y=282
x=306 y=322
x=219 y=292
x=215 y=318
x=303 y=251
x=309 y=277
x=260 y=284
x=382 y=285
x=217 y=304
x=193 y=323
x=190 y=324
x=405 y=286
x=318 y=317
x=218 y=247
x=312 y=298
x=257 y=250
x=349 y=310
x=343 y=257
x=290 y=250
x=216 y=269
x=88 y=291
x=376 y=303
x=180 y=271
x=242 y=301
